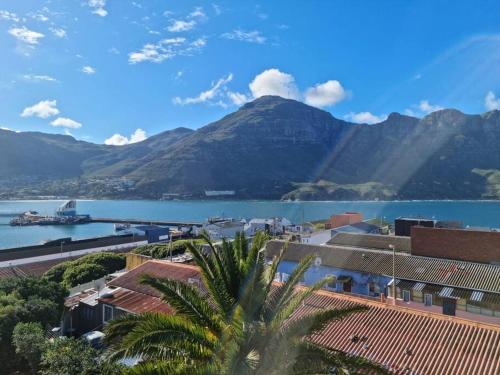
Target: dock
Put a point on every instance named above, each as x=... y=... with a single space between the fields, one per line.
x=168 y=223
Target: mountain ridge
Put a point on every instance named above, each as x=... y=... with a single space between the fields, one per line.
x=279 y=148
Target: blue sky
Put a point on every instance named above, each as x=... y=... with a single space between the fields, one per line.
x=121 y=70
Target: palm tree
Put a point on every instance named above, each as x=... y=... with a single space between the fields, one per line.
x=240 y=323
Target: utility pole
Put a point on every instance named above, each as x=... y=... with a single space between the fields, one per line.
x=393 y=273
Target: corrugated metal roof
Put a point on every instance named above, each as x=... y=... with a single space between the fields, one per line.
x=409 y=341
x=468 y=275
x=136 y=302
x=157 y=268
x=405 y=340
x=371 y=241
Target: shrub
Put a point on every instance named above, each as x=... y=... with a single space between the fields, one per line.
x=83 y=273
x=159 y=251
x=101 y=264
x=29 y=341
x=56 y=273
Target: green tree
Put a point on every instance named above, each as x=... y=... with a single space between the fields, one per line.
x=243 y=325
x=86 y=268
x=26 y=300
x=69 y=357
x=83 y=273
x=29 y=341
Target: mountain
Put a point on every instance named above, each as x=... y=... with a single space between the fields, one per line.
x=277 y=148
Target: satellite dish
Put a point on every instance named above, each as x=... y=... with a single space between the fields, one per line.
x=317 y=261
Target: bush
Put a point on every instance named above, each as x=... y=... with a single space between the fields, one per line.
x=83 y=273
x=26 y=300
x=56 y=273
x=29 y=341
x=160 y=251
x=91 y=267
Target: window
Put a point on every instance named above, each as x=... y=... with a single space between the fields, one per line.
x=406 y=295
x=333 y=283
x=373 y=289
x=107 y=313
x=428 y=299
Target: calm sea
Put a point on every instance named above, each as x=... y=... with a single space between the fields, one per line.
x=473 y=213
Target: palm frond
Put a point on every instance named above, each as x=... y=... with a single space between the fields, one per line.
x=186 y=300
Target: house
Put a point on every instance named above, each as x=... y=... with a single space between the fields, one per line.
x=361 y=227
x=274 y=226
x=91 y=309
x=219 y=228
x=466 y=289
x=322 y=237
x=420 y=343
x=371 y=241
x=339 y=220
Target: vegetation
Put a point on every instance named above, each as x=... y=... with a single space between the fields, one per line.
x=24 y=300
x=85 y=269
x=74 y=357
x=327 y=190
x=242 y=326
x=161 y=251
x=29 y=341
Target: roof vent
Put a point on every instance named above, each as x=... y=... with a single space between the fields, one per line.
x=107 y=295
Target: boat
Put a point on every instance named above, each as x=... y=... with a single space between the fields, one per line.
x=121 y=226
x=65 y=215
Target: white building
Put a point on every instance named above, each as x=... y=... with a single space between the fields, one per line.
x=223 y=228
x=276 y=225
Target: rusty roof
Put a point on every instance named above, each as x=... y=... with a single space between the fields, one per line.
x=157 y=268
x=453 y=273
x=136 y=302
x=408 y=341
x=405 y=340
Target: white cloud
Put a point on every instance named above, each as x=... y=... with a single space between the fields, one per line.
x=426 y=107
x=166 y=49
x=88 y=70
x=60 y=33
x=39 y=78
x=181 y=25
x=208 y=95
x=274 y=82
x=66 y=123
x=491 y=102
x=114 y=51
x=26 y=35
x=325 y=94
x=197 y=13
x=245 y=36
x=138 y=136
x=216 y=9
x=365 y=117
x=43 y=109
x=238 y=98
x=40 y=17
x=120 y=140
x=98 y=7
x=9 y=16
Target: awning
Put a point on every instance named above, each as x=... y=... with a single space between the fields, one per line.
x=344 y=279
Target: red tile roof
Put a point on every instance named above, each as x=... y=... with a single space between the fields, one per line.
x=136 y=302
x=158 y=268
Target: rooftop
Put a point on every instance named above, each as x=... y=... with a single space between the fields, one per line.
x=453 y=273
x=136 y=302
x=405 y=340
x=371 y=241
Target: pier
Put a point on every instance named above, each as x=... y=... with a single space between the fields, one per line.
x=169 y=223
